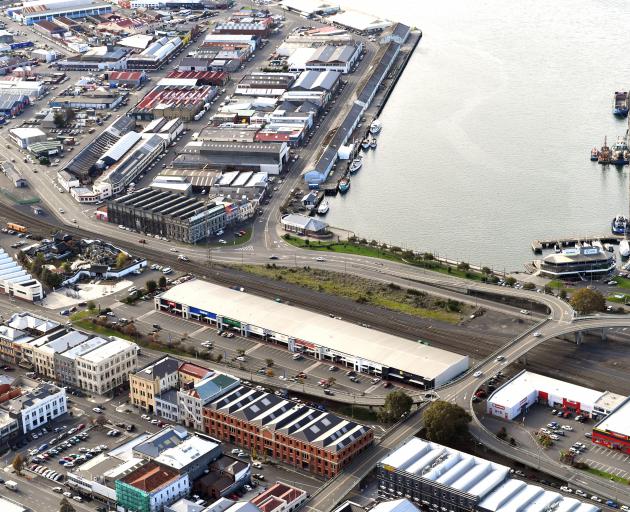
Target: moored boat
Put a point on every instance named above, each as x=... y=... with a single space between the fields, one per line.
x=620 y=104
x=373 y=143
x=356 y=164
x=619 y=153
x=619 y=225
x=375 y=127
x=343 y=185
x=365 y=144
x=624 y=248
x=604 y=154
x=323 y=207
x=594 y=154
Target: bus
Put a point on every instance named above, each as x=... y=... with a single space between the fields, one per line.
x=16 y=227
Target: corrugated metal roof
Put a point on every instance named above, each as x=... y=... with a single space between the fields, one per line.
x=121 y=147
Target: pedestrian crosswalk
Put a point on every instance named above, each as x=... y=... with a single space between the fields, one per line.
x=249 y=248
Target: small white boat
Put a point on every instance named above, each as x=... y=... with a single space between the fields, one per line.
x=356 y=164
x=624 y=248
x=373 y=143
x=365 y=144
x=323 y=207
x=375 y=127
x=598 y=243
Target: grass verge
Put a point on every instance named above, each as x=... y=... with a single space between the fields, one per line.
x=365 y=291
x=385 y=252
x=355 y=412
x=608 y=476
x=99 y=329
x=237 y=241
x=623 y=282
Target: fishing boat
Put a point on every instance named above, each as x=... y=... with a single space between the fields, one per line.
x=624 y=248
x=356 y=164
x=376 y=126
x=373 y=143
x=619 y=225
x=594 y=154
x=365 y=144
x=619 y=153
x=620 y=104
x=323 y=207
x=604 y=154
x=557 y=249
x=343 y=185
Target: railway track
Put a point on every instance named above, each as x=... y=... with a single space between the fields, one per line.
x=448 y=337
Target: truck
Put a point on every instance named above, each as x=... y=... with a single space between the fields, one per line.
x=10 y=484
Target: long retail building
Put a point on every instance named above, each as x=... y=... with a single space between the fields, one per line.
x=322 y=337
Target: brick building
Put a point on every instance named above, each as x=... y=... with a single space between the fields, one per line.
x=295 y=434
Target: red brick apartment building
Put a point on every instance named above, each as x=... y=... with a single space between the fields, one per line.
x=284 y=430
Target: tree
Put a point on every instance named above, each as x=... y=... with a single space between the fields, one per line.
x=269 y=362
x=397 y=404
x=162 y=282
x=59 y=119
x=121 y=259
x=67 y=266
x=69 y=115
x=150 y=285
x=445 y=423
x=18 y=463
x=545 y=441
x=510 y=281
x=91 y=306
x=100 y=420
x=547 y=289
x=586 y=301
x=65 y=506
x=240 y=352
x=219 y=358
x=463 y=266
x=529 y=286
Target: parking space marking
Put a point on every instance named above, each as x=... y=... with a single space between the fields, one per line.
x=255 y=347
x=146 y=315
x=199 y=331
x=313 y=366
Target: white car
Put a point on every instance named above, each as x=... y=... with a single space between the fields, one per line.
x=554 y=437
x=524 y=312
x=477 y=374
x=500 y=358
x=97 y=410
x=320 y=258
x=173 y=249
x=221 y=241
x=57 y=489
x=537 y=334
x=235 y=451
x=568 y=428
x=240 y=358
x=566 y=489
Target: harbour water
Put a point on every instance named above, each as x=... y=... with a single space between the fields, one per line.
x=486 y=139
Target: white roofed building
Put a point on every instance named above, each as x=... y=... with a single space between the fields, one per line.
x=16 y=281
x=107 y=367
x=528 y=388
x=614 y=430
x=325 y=338
x=433 y=475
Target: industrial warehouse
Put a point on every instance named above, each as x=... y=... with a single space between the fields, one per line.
x=167 y=214
x=436 y=476
x=527 y=388
x=320 y=336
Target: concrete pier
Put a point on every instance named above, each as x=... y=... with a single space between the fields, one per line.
x=539 y=245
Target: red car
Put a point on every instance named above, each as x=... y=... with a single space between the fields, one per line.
x=80 y=426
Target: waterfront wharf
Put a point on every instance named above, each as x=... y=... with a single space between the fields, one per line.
x=539 y=245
